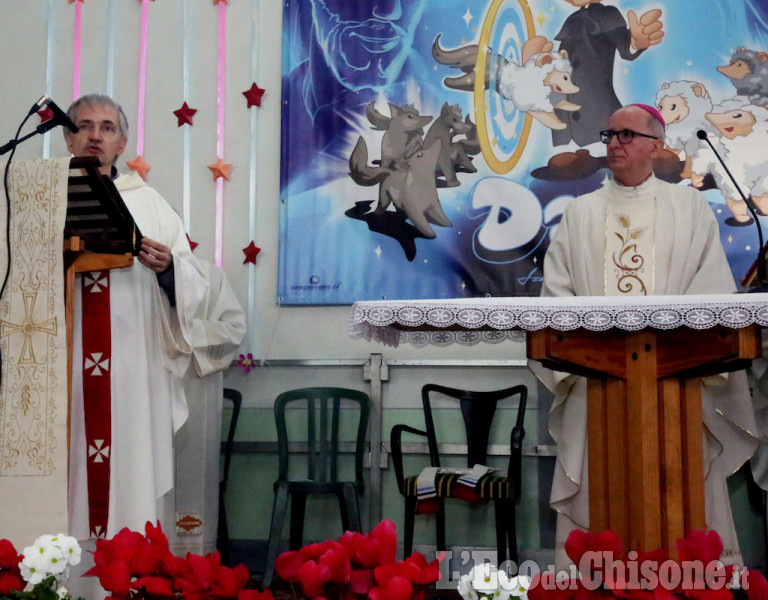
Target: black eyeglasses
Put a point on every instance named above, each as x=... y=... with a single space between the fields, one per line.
x=625 y=136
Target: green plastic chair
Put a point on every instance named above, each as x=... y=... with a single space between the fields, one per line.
x=323 y=407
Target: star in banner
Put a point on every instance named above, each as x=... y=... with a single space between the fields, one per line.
x=139 y=165
x=46 y=114
x=253 y=95
x=185 y=114
x=192 y=245
x=251 y=251
x=220 y=169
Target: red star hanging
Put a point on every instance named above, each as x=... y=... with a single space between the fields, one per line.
x=185 y=114
x=253 y=95
x=139 y=165
x=220 y=169
x=192 y=245
x=46 y=114
x=251 y=251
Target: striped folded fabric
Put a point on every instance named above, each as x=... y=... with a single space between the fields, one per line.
x=474 y=475
x=425 y=483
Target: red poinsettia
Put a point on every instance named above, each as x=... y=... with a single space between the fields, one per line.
x=10 y=575
x=697 y=575
x=358 y=566
x=132 y=565
x=404 y=579
x=588 y=550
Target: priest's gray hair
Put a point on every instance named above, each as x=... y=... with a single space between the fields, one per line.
x=98 y=100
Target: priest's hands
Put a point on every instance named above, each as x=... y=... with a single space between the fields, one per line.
x=154 y=255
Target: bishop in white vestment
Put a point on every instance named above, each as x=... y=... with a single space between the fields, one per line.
x=648 y=237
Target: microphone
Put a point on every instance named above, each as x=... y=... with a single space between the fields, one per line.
x=39 y=105
x=761 y=283
x=59 y=116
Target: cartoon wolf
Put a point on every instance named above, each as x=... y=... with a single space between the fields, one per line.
x=410 y=187
x=403 y=131
x=445 y=127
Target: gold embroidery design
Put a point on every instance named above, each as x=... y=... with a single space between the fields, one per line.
x=629 y=263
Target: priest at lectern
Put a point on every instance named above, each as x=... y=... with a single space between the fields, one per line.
x=133 y=333
x=638 y=235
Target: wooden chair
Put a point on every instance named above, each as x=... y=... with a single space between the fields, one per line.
x=320 y=410
x=478 y=410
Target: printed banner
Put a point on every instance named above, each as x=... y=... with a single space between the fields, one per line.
x=429 y=147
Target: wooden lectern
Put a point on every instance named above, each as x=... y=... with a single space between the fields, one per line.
x=644 y=421
x=99 y=234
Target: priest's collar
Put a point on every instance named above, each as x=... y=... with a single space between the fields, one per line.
x=641 y=188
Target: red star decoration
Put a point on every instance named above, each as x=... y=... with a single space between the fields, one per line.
x=224 y=1
x=220 y=169
x=139 y=165
x=253 y=95
x=251 y=251
x=73 y=1
x=46 y=114
x=185 y=114
x=192 y=245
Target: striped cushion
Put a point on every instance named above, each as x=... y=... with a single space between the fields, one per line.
x=447 y=485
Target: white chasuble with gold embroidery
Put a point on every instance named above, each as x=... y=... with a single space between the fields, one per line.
x=655 y=238
x=33 y=394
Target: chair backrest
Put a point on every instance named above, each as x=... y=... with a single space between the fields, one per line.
x=478 y=410
x=237 y=400
x=323 y=407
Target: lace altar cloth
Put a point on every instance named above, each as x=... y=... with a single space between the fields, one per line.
x=470 y=321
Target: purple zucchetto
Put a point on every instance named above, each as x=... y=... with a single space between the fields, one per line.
x=652 y=111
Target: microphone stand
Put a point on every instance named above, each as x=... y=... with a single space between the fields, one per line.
x=40 y=129
x=760 y=285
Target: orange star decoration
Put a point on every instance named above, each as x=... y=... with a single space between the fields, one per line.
x=192 y=245
x=185 y=114
x=139 y=165
x=220 y=169
x=46 y=114
x=251 y=251
x=253 y=95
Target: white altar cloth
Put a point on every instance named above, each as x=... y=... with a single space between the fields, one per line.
x=471 y=321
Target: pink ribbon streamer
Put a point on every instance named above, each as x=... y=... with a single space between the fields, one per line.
x=76 y=52
x=219 y=221
x=142 y=78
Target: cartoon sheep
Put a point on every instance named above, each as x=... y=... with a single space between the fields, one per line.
x=743 y=134
x=540 y=83
x=683 y=105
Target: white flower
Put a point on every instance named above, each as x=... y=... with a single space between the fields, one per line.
x=518 y=586
x=466 y=591
x=49 y=555
x=62 y=593
x=484 y=581
x=32 y=567
x=70 y=548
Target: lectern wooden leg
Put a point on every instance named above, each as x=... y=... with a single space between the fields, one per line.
x=693 y=455
x=607 y=454
x=643 y=417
